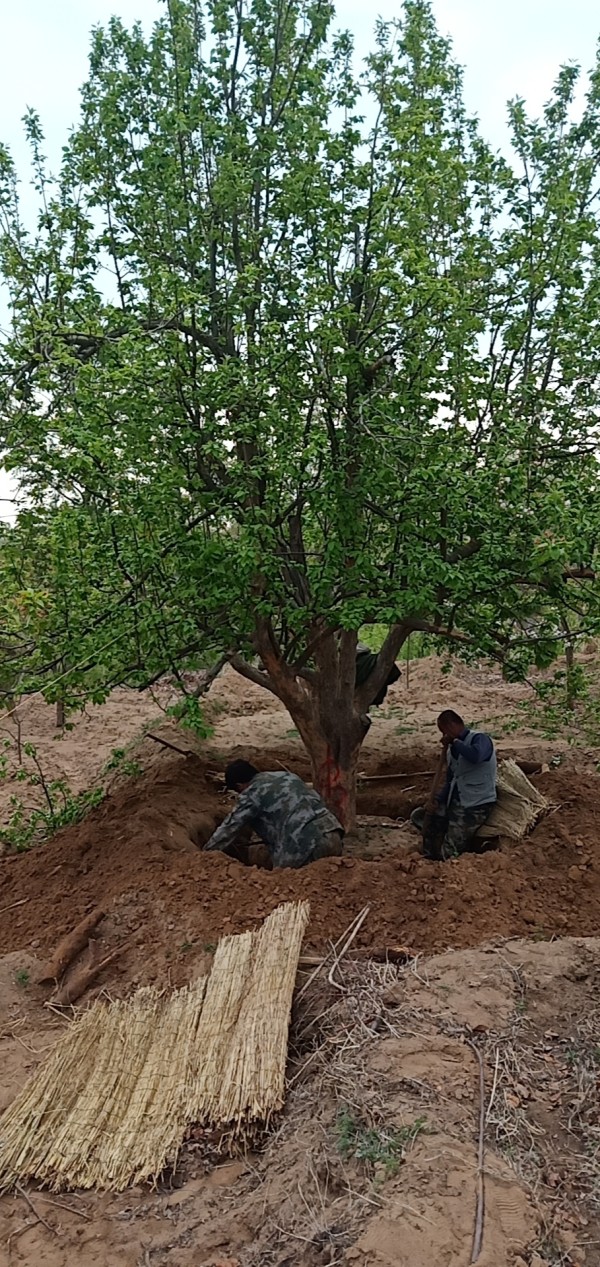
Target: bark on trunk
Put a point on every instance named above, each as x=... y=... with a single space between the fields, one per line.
x=335 y=780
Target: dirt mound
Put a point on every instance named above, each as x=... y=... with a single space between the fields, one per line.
x=168 y=903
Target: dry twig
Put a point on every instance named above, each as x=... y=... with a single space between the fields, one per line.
x=40 y=1218
x=480 y=1206
x=12 y=905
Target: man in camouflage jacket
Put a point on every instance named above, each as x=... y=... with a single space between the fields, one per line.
x=290 y=818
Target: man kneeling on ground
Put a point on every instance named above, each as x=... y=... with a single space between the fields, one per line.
x=290 y=818
x=468 y=796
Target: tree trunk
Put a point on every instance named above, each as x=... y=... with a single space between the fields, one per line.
x=332 y=736
x=334 y=778
x=570 y=662
x=571 y=688
x=325 y=705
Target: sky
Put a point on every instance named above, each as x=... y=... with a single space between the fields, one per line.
x=507 y=48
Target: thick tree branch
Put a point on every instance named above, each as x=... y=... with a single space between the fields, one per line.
x=209 y=677
x=91 y=342
x=251 y=674
x=397 y=635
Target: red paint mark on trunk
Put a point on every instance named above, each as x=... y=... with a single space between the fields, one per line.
x=333 y=786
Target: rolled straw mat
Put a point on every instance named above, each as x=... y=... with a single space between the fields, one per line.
x=519 y=804
x=112 y=1104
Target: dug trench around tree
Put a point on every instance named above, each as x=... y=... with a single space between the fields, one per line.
x=137 y=856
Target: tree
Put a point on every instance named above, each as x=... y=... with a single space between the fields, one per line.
x=293 y=351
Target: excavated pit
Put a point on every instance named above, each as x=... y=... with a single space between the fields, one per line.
x=135 y=856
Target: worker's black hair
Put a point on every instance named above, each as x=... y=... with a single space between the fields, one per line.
x=239 y=772
x=449 y=715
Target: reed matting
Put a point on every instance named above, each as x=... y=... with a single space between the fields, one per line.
x=112 y=1104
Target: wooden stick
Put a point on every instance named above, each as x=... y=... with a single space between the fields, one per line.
x=16 y=1234
x=392 y=954
x=70 y=946
x=21 y=902
x=40 y=1218
x=480 y=1204
x=494 y=1085
x=183 y=752
x=333 y=951
x=357 y=925
x=382 y=778
x=61 y=1205
x=82 y=979
x=437 y=777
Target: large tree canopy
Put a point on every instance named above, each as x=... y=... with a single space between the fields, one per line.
x=292 y=350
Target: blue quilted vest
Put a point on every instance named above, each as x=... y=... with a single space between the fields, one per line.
x=475 y=784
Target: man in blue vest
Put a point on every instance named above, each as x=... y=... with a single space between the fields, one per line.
x=468 y=796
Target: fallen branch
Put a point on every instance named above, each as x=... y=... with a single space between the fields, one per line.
x=70 y=946
x=392 y=954
x=82 y=979
x=14 y=1236
x=388 y=954
x=494 y=1085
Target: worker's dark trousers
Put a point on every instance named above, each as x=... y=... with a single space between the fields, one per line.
x=331 y=845
x=451 y=831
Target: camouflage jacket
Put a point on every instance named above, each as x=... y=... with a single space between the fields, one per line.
x=289 y=817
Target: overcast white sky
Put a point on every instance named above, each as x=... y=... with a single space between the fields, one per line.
x=507 y=49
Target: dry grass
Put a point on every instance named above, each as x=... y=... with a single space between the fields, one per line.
x=112 y=1104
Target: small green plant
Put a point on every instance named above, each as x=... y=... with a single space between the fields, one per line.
x=185 y=946
x=26 y=827
x=382 y=1149
x=22 y=977
x=119 y=760
x=209 y=947
x=189 y=713
x=572 y=692
x=580 y=1057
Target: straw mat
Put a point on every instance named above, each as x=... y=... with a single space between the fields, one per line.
x=113 y=1102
